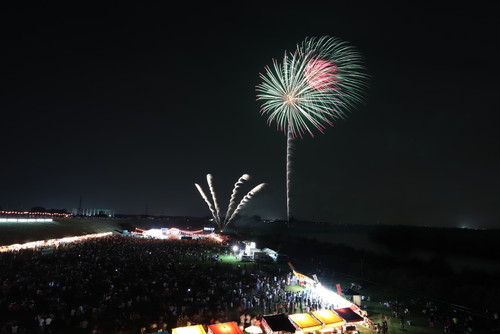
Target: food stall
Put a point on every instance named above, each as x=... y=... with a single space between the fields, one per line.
x=329 y=319
x=348 y=314
x=225 y=328
x=305 y=322
x=350 y=317
x=304 y=280
x=195 y=329
x=277 y=323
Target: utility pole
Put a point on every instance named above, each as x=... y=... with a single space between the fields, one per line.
x=79 y=211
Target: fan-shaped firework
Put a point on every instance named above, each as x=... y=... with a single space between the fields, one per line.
x=212 y=191
x=230 y=207
x=312 y=87
x=214 y=208
x=247 y=198
x=210 y=206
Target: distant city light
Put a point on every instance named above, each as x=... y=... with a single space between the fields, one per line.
x=29 y=213
x=26 y=220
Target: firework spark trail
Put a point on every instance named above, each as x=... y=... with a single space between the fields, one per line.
x=212 y=191
x=210 y=206
x=245 y=200
x=232 y=201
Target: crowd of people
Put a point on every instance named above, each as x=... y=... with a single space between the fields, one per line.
x=123 y=284
x=120 y=284
x=449 y=319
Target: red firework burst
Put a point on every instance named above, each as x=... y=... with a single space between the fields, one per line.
x=321 y=74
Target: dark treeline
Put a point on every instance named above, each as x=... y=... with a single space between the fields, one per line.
x=456 y=241
x=460 y=241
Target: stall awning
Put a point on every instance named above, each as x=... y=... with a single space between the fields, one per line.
x=224 y=328
x=196 y=329
x=348 y=314
x=329 y=318
x=306 y=322
x=278 y=322
x=355 y=308
x=304 y=278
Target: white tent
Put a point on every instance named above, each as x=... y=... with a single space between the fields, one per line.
x=272 y=253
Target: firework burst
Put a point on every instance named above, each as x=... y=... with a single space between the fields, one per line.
x=317 y=84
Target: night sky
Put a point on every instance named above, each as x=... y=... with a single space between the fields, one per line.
x=128 y=107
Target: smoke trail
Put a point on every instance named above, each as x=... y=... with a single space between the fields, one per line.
x=232 y=201
x=212 y=191
x=210 y=206
x=245 y=200
x=289 y=153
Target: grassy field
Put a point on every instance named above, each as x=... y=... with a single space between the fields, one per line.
x=377 y=311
